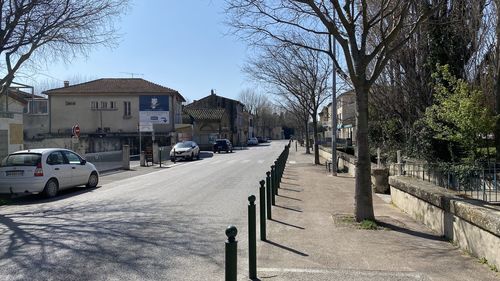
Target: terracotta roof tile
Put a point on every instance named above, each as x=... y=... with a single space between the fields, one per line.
x=115 y=86
x=205 y=113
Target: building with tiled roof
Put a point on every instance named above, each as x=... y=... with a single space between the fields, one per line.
x=208 y=126
x=116 y=107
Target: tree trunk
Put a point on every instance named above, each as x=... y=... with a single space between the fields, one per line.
x=308 y=151
x=363 y=192
x=315 y=137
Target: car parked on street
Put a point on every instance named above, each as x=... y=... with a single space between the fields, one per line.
x=46 y=171
x=223 y=145
x=187 y=150
x=252 y=141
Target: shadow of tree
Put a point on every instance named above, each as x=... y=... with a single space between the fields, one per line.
x=127 y=240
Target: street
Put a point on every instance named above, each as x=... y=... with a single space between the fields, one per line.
x=163 y=225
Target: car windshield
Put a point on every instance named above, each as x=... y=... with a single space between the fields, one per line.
x=186 y=144
x=221 y=142
x=21 y=159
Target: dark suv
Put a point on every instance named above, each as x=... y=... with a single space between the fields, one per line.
x=223 y=145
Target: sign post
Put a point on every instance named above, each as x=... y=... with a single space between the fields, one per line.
x=75 y=131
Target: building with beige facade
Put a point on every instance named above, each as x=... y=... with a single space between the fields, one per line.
x=346 y=117
x=118 y=108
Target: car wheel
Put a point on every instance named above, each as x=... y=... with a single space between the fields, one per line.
x=51 y=188
x=172 y=159
x=191 y=158
x=93 y=180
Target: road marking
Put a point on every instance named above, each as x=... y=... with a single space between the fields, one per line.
x=414 y=275
x=292 y=162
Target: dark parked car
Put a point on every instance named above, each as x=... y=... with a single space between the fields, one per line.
x=223 y=145
x=262 y=139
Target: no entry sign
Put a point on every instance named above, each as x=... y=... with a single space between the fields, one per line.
x=76 y=130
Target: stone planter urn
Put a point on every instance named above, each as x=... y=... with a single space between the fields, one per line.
x=380 y=180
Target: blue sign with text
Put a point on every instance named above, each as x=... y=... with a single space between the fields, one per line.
x=153 y=103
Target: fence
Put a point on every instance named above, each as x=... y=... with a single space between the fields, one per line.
x=106 y=161
x=472 y=181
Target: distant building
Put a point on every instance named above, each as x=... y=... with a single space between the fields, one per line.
x=346 y=117
x=11 y=122
x=116 y=108
x=218 y=117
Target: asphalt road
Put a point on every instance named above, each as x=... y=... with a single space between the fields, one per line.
x=160 y=224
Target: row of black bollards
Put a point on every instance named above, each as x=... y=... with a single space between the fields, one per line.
x=267 y=197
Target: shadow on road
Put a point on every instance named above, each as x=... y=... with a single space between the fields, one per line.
x=89 y=241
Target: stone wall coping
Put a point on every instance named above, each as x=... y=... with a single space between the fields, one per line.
x=475 y=212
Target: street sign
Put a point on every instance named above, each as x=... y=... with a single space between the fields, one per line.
x=76 y=130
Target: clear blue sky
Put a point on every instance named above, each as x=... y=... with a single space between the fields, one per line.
x=178 y=44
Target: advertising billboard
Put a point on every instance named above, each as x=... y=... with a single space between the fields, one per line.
x=152 y=110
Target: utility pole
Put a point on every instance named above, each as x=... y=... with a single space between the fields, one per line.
x=334 y=102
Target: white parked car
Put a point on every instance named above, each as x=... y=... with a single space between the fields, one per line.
x=185 y=150
x=252 y=141
x=46 y=170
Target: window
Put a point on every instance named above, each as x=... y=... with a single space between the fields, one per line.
x=126 y=109
x=72 y=158
x=104 y=105
x=94 y=105
x=55 y=158
x=21 y=159
x=112 y=105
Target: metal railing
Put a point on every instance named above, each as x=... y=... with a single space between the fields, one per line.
x=471 y=181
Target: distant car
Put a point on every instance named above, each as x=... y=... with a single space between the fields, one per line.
x=47 y=170
x=223 y=145
x=252 y=141
x=261 y=139
x=186 y=150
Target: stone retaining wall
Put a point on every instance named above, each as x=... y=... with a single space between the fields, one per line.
x=346 y=161
x=471 y=224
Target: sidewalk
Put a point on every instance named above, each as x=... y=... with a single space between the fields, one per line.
x=313 y=237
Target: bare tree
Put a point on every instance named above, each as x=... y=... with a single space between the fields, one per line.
x=53 y=28
x=351 y=23
x=301 y=75
x=261 y=108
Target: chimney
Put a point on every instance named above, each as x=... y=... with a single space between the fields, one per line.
x=212 y=92
x=66 y=84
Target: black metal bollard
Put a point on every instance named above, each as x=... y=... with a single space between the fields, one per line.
x=273 y=185
x=231 y=253
x=269 y=194
x=175 y=157
x=277 y=180
x=159 y=156
x=262 y=203
x=252 y=243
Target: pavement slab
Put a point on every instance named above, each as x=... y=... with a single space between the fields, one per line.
x=312 y=236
